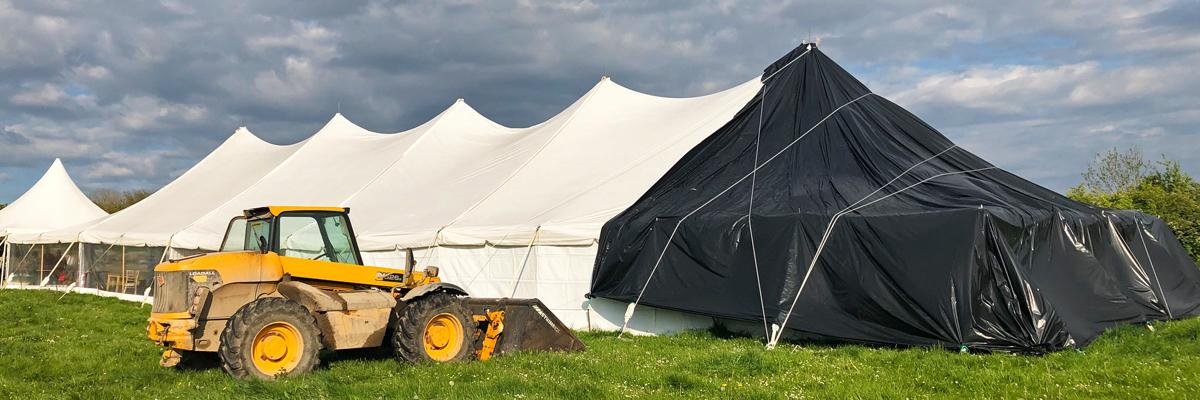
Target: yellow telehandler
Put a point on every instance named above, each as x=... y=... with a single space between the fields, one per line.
x=289 y=281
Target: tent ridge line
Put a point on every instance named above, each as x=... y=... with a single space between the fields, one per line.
x=134 y=206
x=403 y=155
x=302 y=145
x=582 y=103
x=634 y=165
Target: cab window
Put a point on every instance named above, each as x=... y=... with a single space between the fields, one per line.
x=244 y=235
x=316 y=236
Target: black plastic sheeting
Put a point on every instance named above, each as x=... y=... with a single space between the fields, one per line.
x=947 y=250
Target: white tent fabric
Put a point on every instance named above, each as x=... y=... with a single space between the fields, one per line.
x=503 y=211
x=567 y=175
x=53 y=202
x=240 y=162
x=342 y=159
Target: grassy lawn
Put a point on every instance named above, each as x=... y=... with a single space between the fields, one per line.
x=91 y=347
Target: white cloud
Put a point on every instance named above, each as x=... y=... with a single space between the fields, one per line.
x=91 y=72
x=47 y=94
x=312 y=39
x=141 y=112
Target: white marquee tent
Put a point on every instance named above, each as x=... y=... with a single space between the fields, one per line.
x=53 y=202
x=503 y=211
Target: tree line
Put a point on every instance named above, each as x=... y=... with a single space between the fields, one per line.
x=1126 y=180
x=112 y=201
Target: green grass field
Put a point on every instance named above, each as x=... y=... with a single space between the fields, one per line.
x=91 y=347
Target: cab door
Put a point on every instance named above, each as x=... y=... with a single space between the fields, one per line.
x=319 y=246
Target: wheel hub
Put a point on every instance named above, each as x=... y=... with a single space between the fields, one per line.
x=274 y=346
x=277 y=348
x=443 y=337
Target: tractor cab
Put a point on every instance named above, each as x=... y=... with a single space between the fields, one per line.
x=310 y=233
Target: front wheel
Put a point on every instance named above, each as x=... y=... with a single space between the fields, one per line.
x=269 y=338
x=436 y=327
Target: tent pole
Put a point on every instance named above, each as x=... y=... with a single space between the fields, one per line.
x=164 y=254
x=4 y=264
x=525 y=262
x=46 y=280
x=122 y=286
x=3 y=261
x=41 y=262
x=27 y=253
x=79 y=274
x=428 y=256
x=8 y=256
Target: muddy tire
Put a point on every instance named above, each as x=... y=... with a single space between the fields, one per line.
x=269 y=338
x=433 y=328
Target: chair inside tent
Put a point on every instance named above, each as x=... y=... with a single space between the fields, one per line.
x=53 y=202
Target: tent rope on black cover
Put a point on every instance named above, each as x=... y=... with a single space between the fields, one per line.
x=833 y=223
x=961 y=255
x=1142 y=237
x=629 y=313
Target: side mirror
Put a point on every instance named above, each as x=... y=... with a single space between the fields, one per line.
x=262 y=244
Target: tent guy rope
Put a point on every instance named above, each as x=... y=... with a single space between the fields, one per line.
x=774 y=336
x=629 y=311
x=762 y=109
x=825 y=239
x=1141 y=235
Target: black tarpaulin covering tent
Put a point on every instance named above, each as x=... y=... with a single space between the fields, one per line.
x=835 y=213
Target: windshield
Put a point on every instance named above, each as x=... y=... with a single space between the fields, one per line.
x=244 y=234
x=317 y=236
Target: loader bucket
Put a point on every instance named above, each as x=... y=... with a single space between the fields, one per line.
x=528 y=325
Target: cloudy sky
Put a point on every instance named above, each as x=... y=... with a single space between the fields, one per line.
x=130 y=95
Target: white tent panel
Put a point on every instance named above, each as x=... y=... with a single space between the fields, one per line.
x=617 y=147
x=235 y=165
x=557 y=275
x=430 y=187
x=333 y=166
x=53 y=202
x=567 y=175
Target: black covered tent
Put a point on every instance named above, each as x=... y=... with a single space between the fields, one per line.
x=835 y=213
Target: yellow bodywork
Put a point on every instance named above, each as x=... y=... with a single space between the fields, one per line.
x=200 y=300
x=276 y=210
x=248 y=267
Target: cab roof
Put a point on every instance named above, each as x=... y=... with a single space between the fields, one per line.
x=276 y=210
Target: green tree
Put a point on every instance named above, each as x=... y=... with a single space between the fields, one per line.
x=1114 y=171
x=1162 y=189
x=112 y=201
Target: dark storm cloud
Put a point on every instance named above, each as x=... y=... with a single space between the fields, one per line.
x=130 y=94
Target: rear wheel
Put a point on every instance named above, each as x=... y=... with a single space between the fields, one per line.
x=436 y=327
x=268 y=338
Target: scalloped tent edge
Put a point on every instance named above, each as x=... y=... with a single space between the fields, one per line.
x=430 y=190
